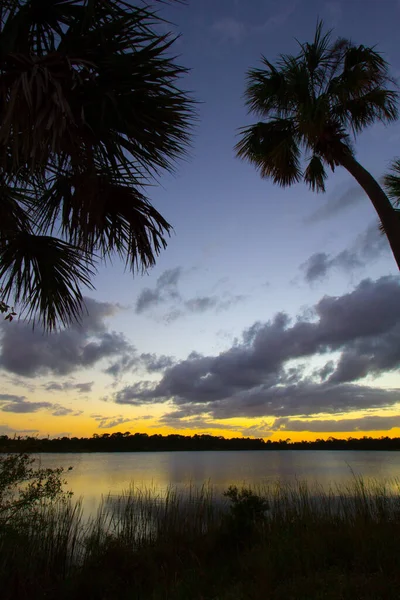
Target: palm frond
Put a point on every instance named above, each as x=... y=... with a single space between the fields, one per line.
x=315 y=174
x=101 y=216
x=360 y=112
x=273 y=149
x=391 y=182
x=45 y=275
x=317 y=57
x=266 y=91
x=13 y=217
x=91 y=110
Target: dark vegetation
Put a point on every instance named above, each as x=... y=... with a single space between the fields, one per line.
x=142 y=442
x=91 y=113
x=311 y=107
x=278 y=543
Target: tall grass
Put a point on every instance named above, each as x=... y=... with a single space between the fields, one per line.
x=306 y=543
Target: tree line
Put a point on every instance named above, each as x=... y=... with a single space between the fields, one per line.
x=142 y=442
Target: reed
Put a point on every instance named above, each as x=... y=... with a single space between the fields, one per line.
x=272 y=541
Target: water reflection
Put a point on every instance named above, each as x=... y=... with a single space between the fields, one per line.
x=97 y=475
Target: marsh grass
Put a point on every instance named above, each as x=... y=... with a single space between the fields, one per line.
x=278 y=541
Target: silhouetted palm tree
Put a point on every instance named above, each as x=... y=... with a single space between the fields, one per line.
x=392 y=182
x=90 y=112
x=313 y=103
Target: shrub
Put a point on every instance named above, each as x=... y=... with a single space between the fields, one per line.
x=246 y=506
x=23 y=487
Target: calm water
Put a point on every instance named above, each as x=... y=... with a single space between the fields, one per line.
x=98 y=474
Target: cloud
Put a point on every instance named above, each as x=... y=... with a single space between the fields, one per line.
x=30 y=353
x=166 y=293
x=337 y=204
x=113 y=422
x=367 y=423
x=261 y=375
x=276 y=20
x=368 y=247
x=154 y=363
x=230 y=29
x=304 y=398
x=107 y=422
x=81 y=388
x=11 y=398
x=19 y=404
x=165 y=289
x=62 y=411
x=136 y=394
x=201 y=304
x=195 y=424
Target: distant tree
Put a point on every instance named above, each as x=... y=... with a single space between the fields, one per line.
x=90 y=112
x=313 y=103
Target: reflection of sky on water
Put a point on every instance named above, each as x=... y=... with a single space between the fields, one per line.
x=98 y=474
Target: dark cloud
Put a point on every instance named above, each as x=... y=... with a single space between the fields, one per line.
x=316 y=267
x=195 y=424
x=66 y=386
x=11 y=398
x=136 y=394
x=304 y=398
x=165 y=290
x=30 y=353
x=166 y=293
x=19 y=404
x=154 y=363
x=109 y=423
x=337 y=204
x=147 y=299
x=25 y=407
x=62 y=411
x=201 y=304
x=368 y=423
x=368 y=246
x=253 y=377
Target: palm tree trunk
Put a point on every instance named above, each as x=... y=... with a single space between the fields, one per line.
x=386 y=213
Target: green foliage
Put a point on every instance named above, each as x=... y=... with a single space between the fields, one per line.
x=91 y=112
x=24 y=488
x=311 y=104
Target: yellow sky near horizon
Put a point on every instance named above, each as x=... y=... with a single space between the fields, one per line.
x=85 y=426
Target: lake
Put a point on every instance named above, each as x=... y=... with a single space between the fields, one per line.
x=98 y=474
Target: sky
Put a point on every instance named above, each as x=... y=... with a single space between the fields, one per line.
x=272 y=313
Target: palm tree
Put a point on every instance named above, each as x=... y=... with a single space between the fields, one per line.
x=391 y=182
x=314 y=103
x=90 y=113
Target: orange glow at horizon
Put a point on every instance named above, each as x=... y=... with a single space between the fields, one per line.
x=85 y=426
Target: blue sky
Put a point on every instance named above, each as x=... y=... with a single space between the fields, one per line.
x=242 y=251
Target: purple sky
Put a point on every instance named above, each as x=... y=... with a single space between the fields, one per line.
x=243 y=251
